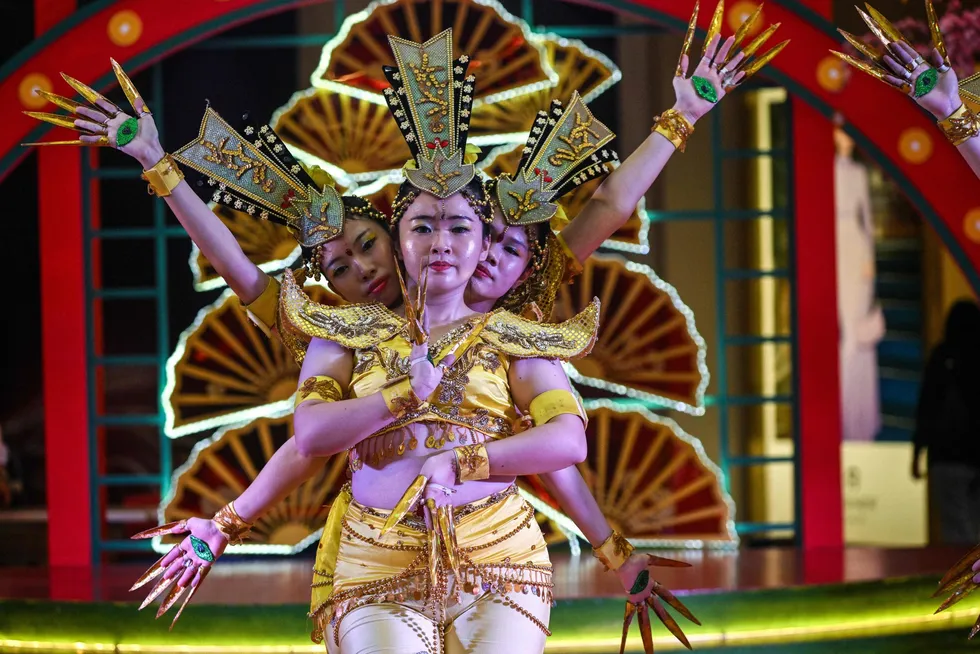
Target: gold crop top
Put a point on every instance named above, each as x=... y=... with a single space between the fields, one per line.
x=475 y=391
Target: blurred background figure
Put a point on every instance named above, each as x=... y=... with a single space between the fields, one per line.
x=862 y=323
x=948 y=426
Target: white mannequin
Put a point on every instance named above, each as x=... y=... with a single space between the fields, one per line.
x=861 y=322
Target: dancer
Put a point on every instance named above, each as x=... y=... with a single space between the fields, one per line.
x=931 y=85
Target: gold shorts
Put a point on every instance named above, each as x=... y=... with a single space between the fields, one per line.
x=500 y=548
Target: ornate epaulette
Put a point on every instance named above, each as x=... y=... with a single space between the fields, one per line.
x=353 y=326
x=523 y=338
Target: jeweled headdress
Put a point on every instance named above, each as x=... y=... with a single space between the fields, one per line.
x=565 y=148
x=430 y=98
x=254 y=172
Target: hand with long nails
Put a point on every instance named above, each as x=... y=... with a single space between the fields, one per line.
x=102 y=123
x=185 y=566
x=723 y=66
x=645 y=592
x=959 y=582
x=931 y=84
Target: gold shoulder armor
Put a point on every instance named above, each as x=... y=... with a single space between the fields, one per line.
x=519 y=337
x=353 y=326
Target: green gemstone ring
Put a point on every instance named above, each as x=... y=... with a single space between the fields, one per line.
x=201 y=549
x=705 y=89
x=641 y=582
x=926 y=82
x=127 y=132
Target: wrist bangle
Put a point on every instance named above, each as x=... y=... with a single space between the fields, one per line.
x=472 y=462
x=163 y=177
x=400 y=397
x=231 y=524
x=960 y=126
x=674 y=127
x=614 y=551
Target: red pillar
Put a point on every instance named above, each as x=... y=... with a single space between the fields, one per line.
x=64 y=330
x=821 y=507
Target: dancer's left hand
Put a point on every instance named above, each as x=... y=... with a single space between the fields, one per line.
x=689 y=103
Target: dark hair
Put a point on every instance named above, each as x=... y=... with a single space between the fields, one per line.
x=474 y=193
x=355 y=208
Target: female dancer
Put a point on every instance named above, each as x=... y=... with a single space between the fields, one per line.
x=933 y=85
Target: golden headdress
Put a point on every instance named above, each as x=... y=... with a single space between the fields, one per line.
x=254 y=172
x=565 y=148
x=431 y=99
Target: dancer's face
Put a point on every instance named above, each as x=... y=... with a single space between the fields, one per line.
x=449 y=233
x=360 y=265
x=506 y=264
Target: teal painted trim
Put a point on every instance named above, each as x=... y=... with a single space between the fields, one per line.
x=163 y=302
x=597 y=31
x=127 y=360
x=757 y=527
x=128 y=420
x=527 y=11
x=263 y=42
x=755 y=400
x=125 y=293
x=721 y=354
x=126 y=545
x=127 y=233
x=117 y=173
x=49 y=37
x=709 y=214
x=128 y=480
x=95 y=498
x=794 y=328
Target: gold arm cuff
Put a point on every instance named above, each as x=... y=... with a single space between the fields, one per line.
x=231 y=524
x=961 y=126
x=472 y=462
x=163 y=177
x=573 y=267
x=614 y=551
x=553 y=403
x=400 y=397
x=320 y=387
x=673 y=126
x=264 y=309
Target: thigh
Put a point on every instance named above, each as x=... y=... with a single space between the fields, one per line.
x=497 y=623
x=384 y=629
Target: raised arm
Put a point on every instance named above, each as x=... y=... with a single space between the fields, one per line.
x=722 y=68
x=105 y=124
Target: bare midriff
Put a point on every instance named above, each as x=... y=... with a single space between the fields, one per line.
x=390 y=464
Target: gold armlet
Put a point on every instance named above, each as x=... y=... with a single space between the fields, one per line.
x=400 y=397
x=262 y=310
x=231 y=524
x=320 y=387
x=163 y=177
x=614 y=551
x=674 y=127
x=555 y=403
x=573 y=267
x=472 y=462
x=961 y=126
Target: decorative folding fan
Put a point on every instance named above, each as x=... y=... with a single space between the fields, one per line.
x=631 y=237
x=653 y=481
x=220 y=468
x=225 y=370
x=506 y=60
x=267 y=244
x=349 y=137
x=648 y=345
x=579 y=68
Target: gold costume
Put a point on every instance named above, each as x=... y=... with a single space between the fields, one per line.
x=500 y=547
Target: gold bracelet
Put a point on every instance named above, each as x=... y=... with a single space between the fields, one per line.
x=614 y=551
x=472 y=462
x=231 y=524
x=674 y=127
x=163 y=177
x=961 y=126
x=400 y=397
